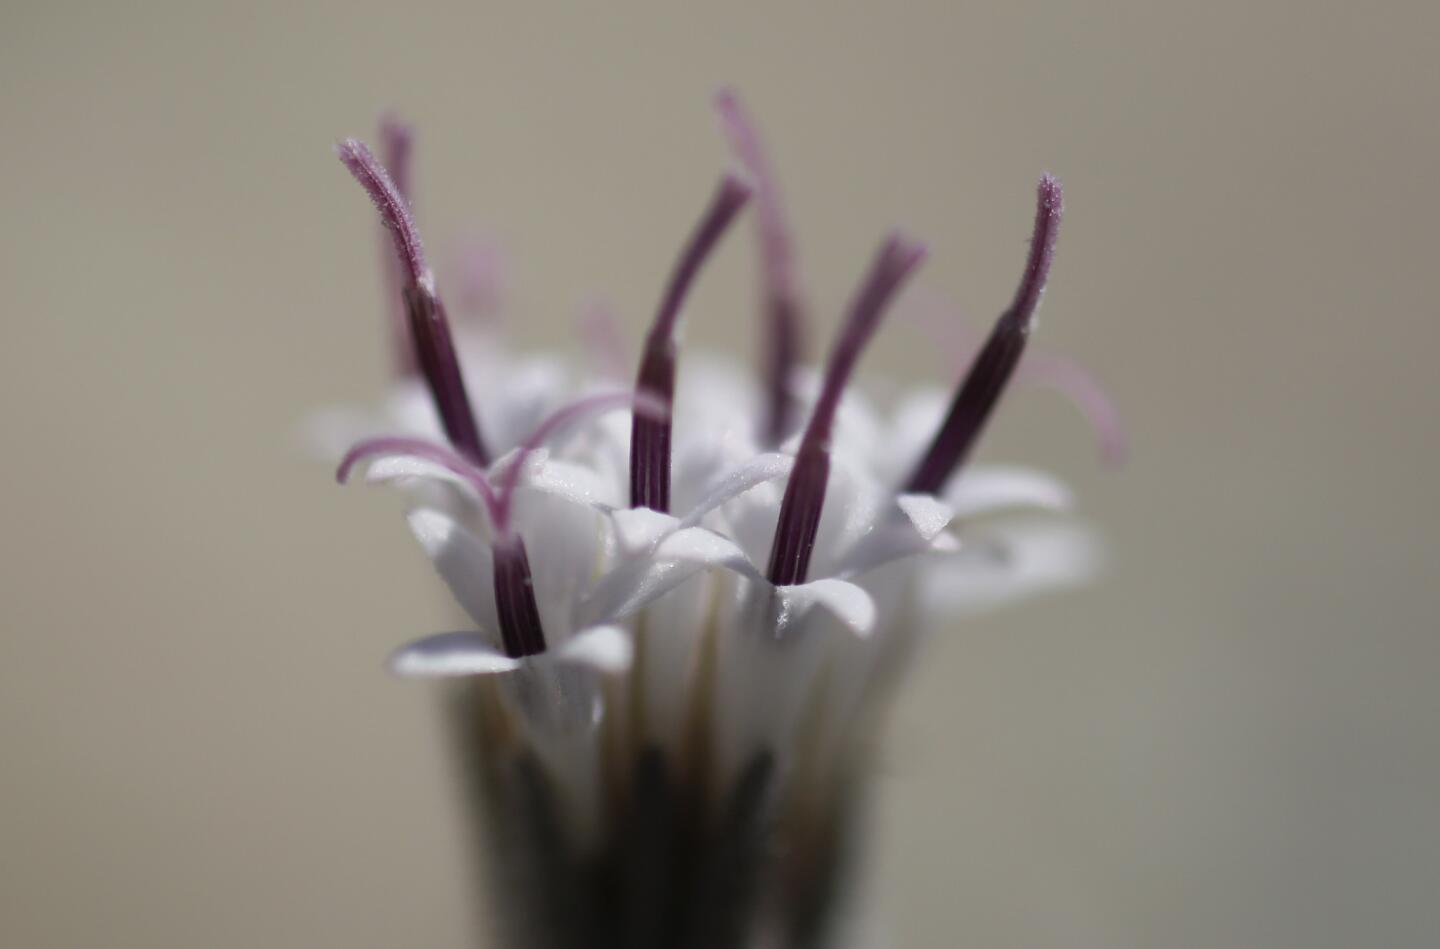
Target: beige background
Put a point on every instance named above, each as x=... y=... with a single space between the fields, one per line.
x=1231 y=742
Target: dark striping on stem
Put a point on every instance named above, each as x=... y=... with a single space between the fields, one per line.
x=650 y=437
x=991 y=371
x=731 y=872
x=429 y=329
x=520 y=629
x=804 y=498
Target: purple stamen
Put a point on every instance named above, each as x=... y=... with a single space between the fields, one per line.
x=397 y=142
x=650 y=438
x=520 y=627
x=1057 y=371
x=1075 y=382
x=440 y=455
x=520 y=631
x=645 y=405
x=804 y=498
x=992 y=368
x=429 y=329
x=784 y=336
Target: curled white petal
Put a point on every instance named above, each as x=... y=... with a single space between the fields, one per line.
x=451 y=654
x=927 y=514
x=640 y=529
x=464 y=560
x=845 y=601
x=696 y=545
x=1009 y=563
x=675 y=558
x=985 y=490
x=916 y=526
x=606 y=648
x=760 y=469
x=575 y=483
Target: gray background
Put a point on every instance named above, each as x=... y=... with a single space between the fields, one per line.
x=1230 y=742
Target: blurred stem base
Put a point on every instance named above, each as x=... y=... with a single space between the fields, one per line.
x=678 y=862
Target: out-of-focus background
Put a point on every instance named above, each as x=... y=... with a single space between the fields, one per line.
x=1232 y=741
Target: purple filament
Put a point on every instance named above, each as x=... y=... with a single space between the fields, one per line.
x=447 y=458
x=441 y=368
x=520 y=630
x=783 y=331
x=991 y=371
x=1075 y=382
x=650 y=437
x=1065 y=375
x=645 y=405
x=429 y=329
x=804 y=498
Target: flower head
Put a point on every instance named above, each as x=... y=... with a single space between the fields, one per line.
x=689 y=597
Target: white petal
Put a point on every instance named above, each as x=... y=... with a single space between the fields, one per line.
x=760 y=469
x=698 y=545
x=464 y=561
x=843 y=600
x=927 y=514
x=1009 y=563
x=451 y=654
x=679 y=556
x=566 y=545
x=916 y=526
x=606 y=648
x=855 y=506
x=427 y=484
x=573 y=482
x=639 y=529
x=991 y=488
x=913 y=426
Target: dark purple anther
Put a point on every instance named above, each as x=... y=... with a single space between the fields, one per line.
x=429 y=329
x=784 y=338
x=397 y=143
x=805 y=491
x=992 y=368
x=520 y=630
x=650 y=437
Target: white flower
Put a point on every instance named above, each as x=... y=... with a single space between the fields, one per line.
x=689 y=600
